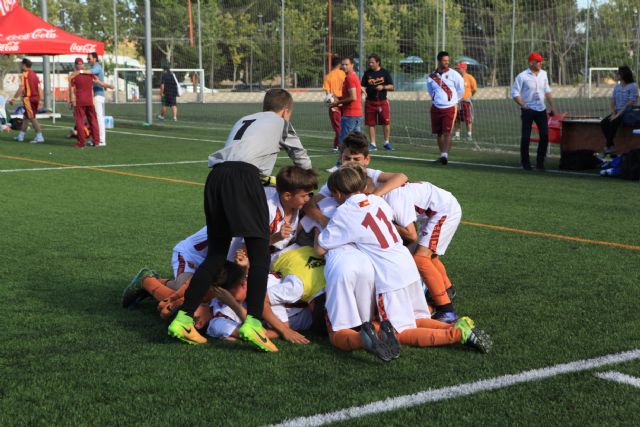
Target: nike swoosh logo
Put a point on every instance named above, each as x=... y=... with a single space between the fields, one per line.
x=187 y=330
x=263 y=339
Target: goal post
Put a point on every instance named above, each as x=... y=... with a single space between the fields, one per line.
x=591 y=70
x=130 y=88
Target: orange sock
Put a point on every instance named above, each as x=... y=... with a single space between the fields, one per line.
x=443 y=271
x=432 y=324
x=346 y=340
x=156 y=288
x=433 y=279
x=428 y=337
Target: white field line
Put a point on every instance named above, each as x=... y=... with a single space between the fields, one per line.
x=124 y=165
x=619 y=377
x=465 y=389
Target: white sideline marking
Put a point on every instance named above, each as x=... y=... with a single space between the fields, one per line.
x=619 y=377
x=466 y=389
x=124 y=165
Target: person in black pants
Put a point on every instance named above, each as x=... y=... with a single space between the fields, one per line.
x=623 y=98
x=530 y=90
x=235 y=206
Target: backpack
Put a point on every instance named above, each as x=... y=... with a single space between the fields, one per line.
x=630 y=165
x=578 y=160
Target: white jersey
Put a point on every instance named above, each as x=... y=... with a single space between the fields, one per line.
x=327 y=206
x=257 y=139
x=374 y=174
x=419 y=199
x=276 y=221
x=224 y=320
x=366 y=222
x=190 y=252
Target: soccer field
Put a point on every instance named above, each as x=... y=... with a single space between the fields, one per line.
x=546 y=263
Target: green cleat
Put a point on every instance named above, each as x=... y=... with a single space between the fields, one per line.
x=252 y=331
x=473 y=337
x=182 y=327
x=134 y=291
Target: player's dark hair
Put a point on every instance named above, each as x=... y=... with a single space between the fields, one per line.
x=26 y=62
x=442 y=54
x=376 y=57
x=350 y=58
x=230 y=276
x=349 y=179
x=335 y=60
x=277 y=100
x=626 y=74
x=293 y=178
x=357 y=143
x=94 y=55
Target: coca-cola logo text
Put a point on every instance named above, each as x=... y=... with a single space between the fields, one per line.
x=9 y=47
x=37 y=34
x=7 y=6
x=82 y=48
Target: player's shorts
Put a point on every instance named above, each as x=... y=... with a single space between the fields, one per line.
x=235 y=203
x=403 y=306
x=377 y=113
x=437 y=232
x=442 y=119
x=30 y=107
x=465 y=112
x=169 y=100
x=182 y=264
x=350 y=288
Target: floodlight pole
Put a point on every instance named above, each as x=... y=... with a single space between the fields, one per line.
x=147 y=54
x=361 y=36
x=282 y=44
x=46 y=102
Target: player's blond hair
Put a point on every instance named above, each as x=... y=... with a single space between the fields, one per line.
x=349 y=179
x=293 y=178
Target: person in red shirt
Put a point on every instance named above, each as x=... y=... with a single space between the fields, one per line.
x=82 y=102
x=31 y=92
x=350 y=102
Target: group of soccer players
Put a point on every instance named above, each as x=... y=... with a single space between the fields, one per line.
x=351 y=260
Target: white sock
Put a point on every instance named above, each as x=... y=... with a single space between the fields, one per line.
x=445 y=155
x=457 y=134
x=39 y=135
x=386 y=142
x=373 y=143
x=469 y=134
x=21 y=134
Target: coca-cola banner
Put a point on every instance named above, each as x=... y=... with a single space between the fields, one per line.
x=22 y=32
x=7 y=6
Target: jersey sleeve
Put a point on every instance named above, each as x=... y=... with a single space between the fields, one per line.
x=336 y=233
x=289 y=290
x=374 y=174
x=224 y=321
x=517 y=87
x=388 y=79
x=404 y=212
x=547 y=89
x=291 y=143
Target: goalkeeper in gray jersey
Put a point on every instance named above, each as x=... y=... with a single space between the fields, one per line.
x=235 y=205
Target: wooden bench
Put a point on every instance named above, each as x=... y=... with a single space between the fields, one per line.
x=586 y=134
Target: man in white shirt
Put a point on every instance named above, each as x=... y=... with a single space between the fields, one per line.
x=446 y=87
x=529 y=91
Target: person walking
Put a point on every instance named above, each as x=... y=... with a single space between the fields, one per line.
x=377 y=82
x=30 y=91
x=530 y=90
x=168 y=94
x=465 y=108
x=446 y=87
x=332 y=85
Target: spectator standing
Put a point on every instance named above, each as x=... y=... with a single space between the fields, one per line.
x=332 y=85
x=350 y=102
x=465 y=108
x=31 y=93
x=623 y=98
x=168 y=94
x=530 y=90
x=446 y=87
x=377 y=82
x=98 y=94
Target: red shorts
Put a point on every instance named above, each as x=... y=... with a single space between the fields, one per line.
x=465 y=113
x=377 y=113
x=30 y=107
x=442 y=119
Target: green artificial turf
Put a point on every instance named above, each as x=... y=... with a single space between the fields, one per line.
x=71 y=240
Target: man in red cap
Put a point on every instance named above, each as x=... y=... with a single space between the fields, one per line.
x=465 y=110
x=529 y=91
x=82 y=101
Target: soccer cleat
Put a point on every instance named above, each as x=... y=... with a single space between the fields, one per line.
x=444 y=160
x=446 y=316
x=526 y=167
x=183 y=328
x=175 y=119
x=37 y=140
x=160 y=117
x=333 y=169
x=373 y=344
x=336 y=149
x=252 y=331
x=388 y=336
x=388 y=147
x=469 y=138
x=473 y=337
x=373 y=147
x=456 y=137
x=451 y=292
x=134 y=291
